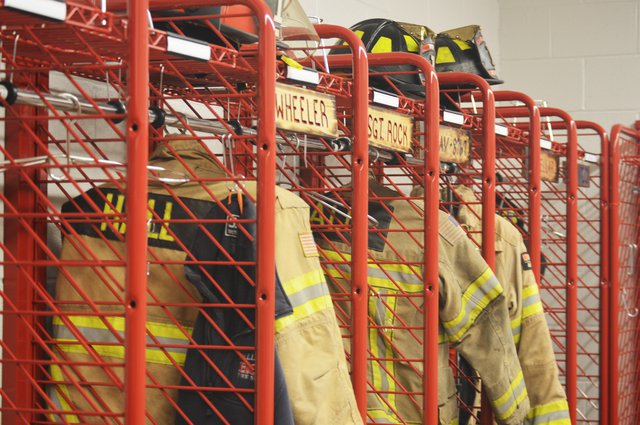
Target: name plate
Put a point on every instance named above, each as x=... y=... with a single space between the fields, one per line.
x=549 y=166
x=390 y=130
x=455 y=145
x=305 y=111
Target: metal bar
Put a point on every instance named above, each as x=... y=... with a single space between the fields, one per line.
x=488 y=182
x=360 y=206
x=66 y=104
x=571 y=258
x=614 y=281
x=605 y=270
x=614 y=266
x=18 y=368
x=266 y=185
x=137 y=138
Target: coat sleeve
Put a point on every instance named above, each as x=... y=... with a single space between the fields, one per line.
x=535 y=350
x=475 y=317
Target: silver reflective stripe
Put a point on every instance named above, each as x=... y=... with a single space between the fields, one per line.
x=55 y=400
x=93 y=335
x=511 y=401
x=474 y=301
x=555 y=418
x=561 y=417
x=530 y=300
x=396 y=276
x=308 y=294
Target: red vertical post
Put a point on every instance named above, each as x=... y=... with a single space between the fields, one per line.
x=266 y=239
x=137 y=136
x=614 y=278
x=605 y=247
x=17 y=367
x=488 y=182
x=360 y=205
x=572 y=257
x=431 y=234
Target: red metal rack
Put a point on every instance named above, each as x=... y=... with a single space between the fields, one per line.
x=593 y=253
x=624 y=211
x=399 y=173
x=90 y=43
x=87 y=329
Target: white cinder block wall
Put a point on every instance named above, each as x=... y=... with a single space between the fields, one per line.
x=439 y=15
x=579 y=55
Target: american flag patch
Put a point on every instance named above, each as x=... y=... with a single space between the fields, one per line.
x=450 y=229
x=308 y=244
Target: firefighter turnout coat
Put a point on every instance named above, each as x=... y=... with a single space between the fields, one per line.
x=473 y=312
x=528 y=323
x=88 y=339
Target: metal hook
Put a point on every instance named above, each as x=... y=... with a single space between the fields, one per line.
x=228 y=145
x=548 y=120
x=473 y=104
x=15 y=52
x=306 y=165
x=631 y=312
x=103 y=9
x=549 y=227
x=377 y=152
x=295 y=136
x=161 y=79
x=74 y=99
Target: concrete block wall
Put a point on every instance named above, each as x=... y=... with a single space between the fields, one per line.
x=579 y=55
x=439 y=15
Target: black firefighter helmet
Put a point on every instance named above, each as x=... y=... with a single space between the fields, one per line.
x=464 y=50
x=381 y=35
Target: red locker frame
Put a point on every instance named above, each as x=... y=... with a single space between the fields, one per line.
x=425 y=171
x=624 y=278
x=90 y=36
x=461 y=87
x=560 y=209
x=593 y=270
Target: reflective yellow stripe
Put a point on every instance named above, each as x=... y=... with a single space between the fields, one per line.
x=303 y=310
x=508 y=402
x=382 y=417
x=61 y=395
x=463 y=45
x=531 y=304
x=382 y=377
x=153 y=355
x=102 y=339
x=412 y=45
x=308 y=294
x=553 y=413
x=157 y=329
x=516 y=328
x=382 y=45
x=476 y=297
x=444 y=55
x=359 y=33
x=304 y=281
x=397 y=277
